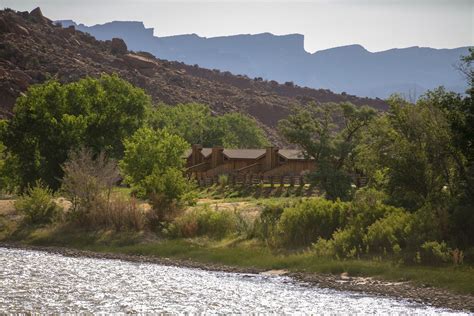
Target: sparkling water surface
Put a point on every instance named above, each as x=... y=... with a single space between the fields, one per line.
x=32 y=281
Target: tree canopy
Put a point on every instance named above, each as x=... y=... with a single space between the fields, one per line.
x=196 y=124
x=328 y=133
x=153 y=163
x=53 y=118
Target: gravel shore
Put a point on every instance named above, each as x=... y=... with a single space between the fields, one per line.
x=406 y=290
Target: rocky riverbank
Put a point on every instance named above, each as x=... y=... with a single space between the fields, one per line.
x=406 y=290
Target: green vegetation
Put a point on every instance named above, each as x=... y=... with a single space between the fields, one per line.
x=37 y=205
x=153 y=163
x=53 y=119
x=196 y=125
x=418 y=157
x=314 y=128
x=412 y=220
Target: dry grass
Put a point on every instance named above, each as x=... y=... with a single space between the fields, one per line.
x=7 y=207
x=119 y=213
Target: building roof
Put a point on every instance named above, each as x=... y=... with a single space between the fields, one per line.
x=206 y=152
x=244 y=153
x=292 y=154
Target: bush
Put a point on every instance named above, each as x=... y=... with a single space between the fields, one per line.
x=369 y=206
x=245 y=224
x=324 y=248
x=153 y=165
x=388 y=234
x=206 y=222
x=265 y=225
x=38 y=205
x=162 y=211
x=87 y=183
x=223 y=180
x=308 y=220
x=346 y=242
x=424 y=226
x=433 y=252
x=121 y=214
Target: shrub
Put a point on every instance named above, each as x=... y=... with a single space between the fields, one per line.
x=303 y=223
x=388 y=234
x=122 y=214
x=324 y=248
x=457 y=256
x=153 y=166
x=346 y=242
x=206 y=222
x=424 y=226
x=87 y=182
x=223 y=180
x=37 y=204
x=265 y=225
x=433 y=252
x=162 y=211
x=368 y=205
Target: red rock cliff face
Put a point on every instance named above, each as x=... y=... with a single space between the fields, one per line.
x=33 y=49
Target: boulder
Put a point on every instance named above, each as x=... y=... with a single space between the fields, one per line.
x=67 y=32
x=139 y=62
x=38 y=16
x=20 y=30
x=118 y=46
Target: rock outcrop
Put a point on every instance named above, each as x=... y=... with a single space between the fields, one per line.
x=38 y=16
x=117 y=46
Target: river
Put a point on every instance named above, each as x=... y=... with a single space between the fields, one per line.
x=33 y=281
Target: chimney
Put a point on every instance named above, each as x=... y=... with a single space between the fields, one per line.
x=196 y=156
x=271 y=157
x=217 y=157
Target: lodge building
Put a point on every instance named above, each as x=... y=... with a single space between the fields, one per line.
x=259 y=163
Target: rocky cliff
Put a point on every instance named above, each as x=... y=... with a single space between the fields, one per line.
x=409 y=71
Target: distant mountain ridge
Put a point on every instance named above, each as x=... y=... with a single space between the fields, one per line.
x=352 y=69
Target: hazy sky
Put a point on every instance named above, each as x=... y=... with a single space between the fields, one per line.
x=375 y=24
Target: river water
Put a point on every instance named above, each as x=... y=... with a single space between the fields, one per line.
x=32 y=281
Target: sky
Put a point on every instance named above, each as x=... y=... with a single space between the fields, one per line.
x=375 y=24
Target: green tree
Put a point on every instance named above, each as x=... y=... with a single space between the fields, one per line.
x=52 y=119
x=153 y=164
x=235 y=130
x=459 y=113
x=329 y=133
x=196 y=124
x=190 y=121
x=411 y=144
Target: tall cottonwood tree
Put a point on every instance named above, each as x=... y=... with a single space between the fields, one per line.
x=329 y=134
x=53 y=118
x=197 y=125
